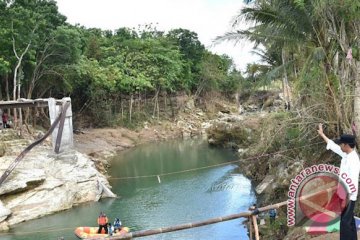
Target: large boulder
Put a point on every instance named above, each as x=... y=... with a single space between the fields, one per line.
x=22 y=180
x=45 y=183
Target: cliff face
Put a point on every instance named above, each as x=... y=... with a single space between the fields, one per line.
x=45 y=183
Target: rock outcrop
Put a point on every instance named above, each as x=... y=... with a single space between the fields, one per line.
x=44 y=183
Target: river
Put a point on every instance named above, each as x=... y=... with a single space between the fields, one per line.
x=195 y=182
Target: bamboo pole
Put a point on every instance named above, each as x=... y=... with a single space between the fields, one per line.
x=179 y=227
x=250 y=229
x=256 y=228
x=213 y=220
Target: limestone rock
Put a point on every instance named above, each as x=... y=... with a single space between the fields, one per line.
x=45 y=183
x=190 y=104
x=4 y=212
x=264 y=184
x=21 y=180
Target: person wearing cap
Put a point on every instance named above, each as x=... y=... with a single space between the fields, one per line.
x=350 y=164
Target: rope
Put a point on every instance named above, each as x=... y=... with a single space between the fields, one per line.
x=211 y=166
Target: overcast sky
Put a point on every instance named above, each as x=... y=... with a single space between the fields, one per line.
x=208 y=18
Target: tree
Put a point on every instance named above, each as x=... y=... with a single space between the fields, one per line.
x=62 y=49
x=192 y=51
x=313 y=39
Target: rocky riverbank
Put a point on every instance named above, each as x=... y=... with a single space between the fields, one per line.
x=45 y=183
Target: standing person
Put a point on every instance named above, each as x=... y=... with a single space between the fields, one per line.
x=5 y=119
x=272 y=215
x=350 y=165
x=103 y=222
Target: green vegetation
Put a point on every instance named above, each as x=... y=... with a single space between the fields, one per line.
x=113 y=77
x=312 y=47
x=125 y=76
x=307 y=45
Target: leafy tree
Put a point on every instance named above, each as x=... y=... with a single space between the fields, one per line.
x=214 y=70
x=60 y=51
x=192 y=51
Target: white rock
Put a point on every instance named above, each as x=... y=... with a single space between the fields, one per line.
x=4 y=212
x=264 y=184
x=22 y=179
x=62 y=181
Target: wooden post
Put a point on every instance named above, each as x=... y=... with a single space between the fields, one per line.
x=256 y=229
x=250 y=229
x=61 y=128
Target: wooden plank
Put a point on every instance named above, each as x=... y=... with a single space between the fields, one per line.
x=23 y=103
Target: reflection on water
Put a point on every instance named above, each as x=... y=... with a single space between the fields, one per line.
x=144 y=203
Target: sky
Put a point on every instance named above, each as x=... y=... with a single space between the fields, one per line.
x=208 y=18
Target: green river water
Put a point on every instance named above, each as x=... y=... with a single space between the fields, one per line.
x=144 y=203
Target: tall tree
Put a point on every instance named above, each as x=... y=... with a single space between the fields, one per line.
x=192 y=51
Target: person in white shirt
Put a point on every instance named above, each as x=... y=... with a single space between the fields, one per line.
x=350 y=165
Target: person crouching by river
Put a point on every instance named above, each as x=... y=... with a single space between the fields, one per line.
x=103 y=222
x=350 y=165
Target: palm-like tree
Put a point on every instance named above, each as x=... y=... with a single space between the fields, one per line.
x=312 y=38
x=281 y=27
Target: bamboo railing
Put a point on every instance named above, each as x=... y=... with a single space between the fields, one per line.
x=195 y=224
x=251 y=215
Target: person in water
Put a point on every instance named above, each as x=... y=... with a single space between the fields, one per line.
x=103 y=222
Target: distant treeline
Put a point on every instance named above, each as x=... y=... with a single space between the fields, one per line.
x=103 y=70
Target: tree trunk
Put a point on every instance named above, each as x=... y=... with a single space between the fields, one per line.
x=165 y=101
x=172 y=107
x=7 y=87
x=285 y=84
x=122 y=109
x=357 y=98
x=16 y=84
x=130 y=106
x=18 y=97
x=156 y=103
x=1 y=96
x=139 y=102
